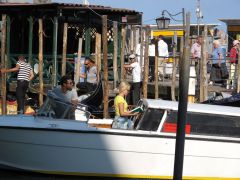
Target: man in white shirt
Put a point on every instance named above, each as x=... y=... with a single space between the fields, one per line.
x=136 y=73
x=162 y=53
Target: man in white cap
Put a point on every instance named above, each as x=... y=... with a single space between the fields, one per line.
x=137 y=80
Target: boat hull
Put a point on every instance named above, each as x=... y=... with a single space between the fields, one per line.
x=115 y=153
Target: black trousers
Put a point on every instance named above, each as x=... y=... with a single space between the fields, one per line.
x=152 y=67
x=22 y=86
x=135 y=92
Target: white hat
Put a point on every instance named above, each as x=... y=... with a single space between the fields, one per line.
x=132 y=56
x=235 y=42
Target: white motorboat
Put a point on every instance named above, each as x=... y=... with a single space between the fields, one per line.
x=45 y=144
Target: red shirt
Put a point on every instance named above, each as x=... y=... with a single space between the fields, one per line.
x=233 y=55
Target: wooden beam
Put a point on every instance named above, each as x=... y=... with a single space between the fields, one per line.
x=105 y=66
x=174 y=71
x=78 y=64
x=123 y=31
x=146 y=62
x=98 y=55
x=55 y=63
x=115 y=53
x=4 y=65
x=156 y=69
x=203 y=68
x=64 y=52
x=30 y=39
x=40 y=58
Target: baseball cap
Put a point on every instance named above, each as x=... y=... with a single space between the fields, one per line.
x=235 y=42
x=132 y=56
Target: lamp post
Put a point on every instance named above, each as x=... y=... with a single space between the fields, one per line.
x=183 y=94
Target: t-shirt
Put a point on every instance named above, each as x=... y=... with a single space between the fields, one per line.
x=24 y=71
x=162 y=49
x=92 y=75
x=66 y=97
x=119 y=99
x=196 y=50
x=136 y=72
x=216 y=53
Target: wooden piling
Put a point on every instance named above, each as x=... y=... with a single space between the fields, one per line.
x=146 y=62
x=40 y=58
x=123 y=32
x=55 y=63
x=156 y=69
x=203 y=68
x=98 y=57
x=78 y=64
x=115 y=54
x=30 y=39
x=174 y=70
x=3 y=64
x=105 y=66
x=64 y=51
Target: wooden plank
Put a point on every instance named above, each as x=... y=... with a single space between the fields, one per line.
x=64 y=52
x=146 y=62
x=105 y=67
x=55 y=41
x=4 y=65
x=40 y=58
x=115 y=54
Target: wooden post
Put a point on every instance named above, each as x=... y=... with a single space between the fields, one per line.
x=115 y=53
x=78 y=64
x=146 y=63
x=141 y=47
x=87 y=39
x=98 y=56
x=30 y=39
x=183 y=103
x=3 y=64
x=8 y=36
x=238 y=69
x=105 y=66
x=156 y=69
x=64 y=52
x=203 y=68
x=173 y=86
x=40 y=58
x=134 y=40
x=123 y=51
x=55 y=62
x=131 y=40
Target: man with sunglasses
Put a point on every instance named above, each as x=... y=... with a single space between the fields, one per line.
x=90 y=75
x=64 y=99
x=65 y=90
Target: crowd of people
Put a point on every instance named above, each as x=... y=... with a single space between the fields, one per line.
x=129 y=93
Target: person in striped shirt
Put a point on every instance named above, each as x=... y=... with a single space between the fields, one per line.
x=25 y=74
